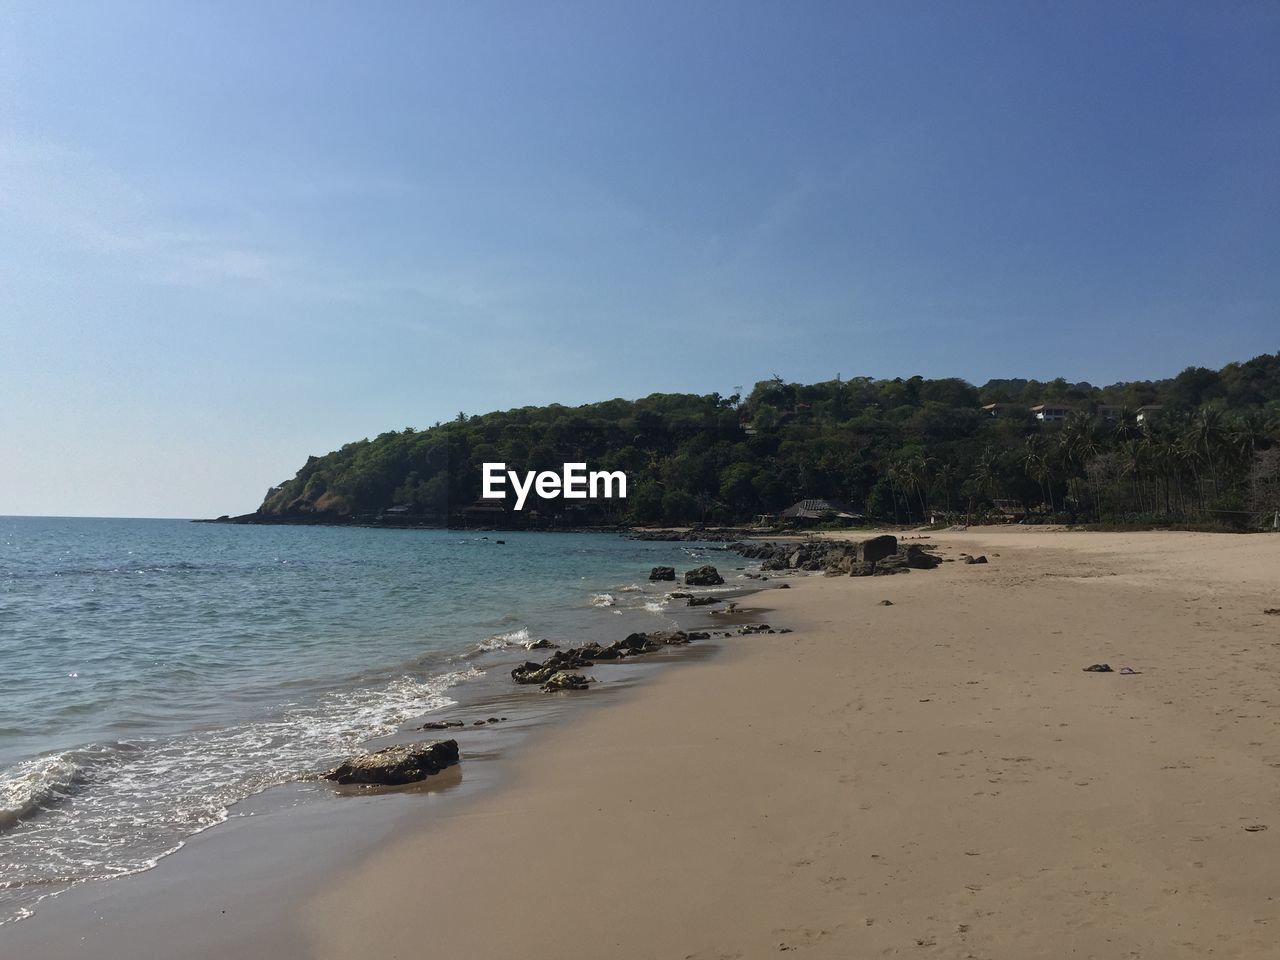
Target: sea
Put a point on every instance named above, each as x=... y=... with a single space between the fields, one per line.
x=153 y=673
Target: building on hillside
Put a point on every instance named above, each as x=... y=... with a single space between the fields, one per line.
x=814 y=510
x=1146 y=411
x=1110 y=411
x=1002 y=409
x=486 y=511
x=1050 y=412
x=1010 y=511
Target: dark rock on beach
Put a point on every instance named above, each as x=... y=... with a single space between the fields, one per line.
x=399 y=764
x=563 y=680
x=702 y=601
x=441 y=724
x=704 y=576
x=662 y=573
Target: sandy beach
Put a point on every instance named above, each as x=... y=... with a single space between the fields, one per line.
x=933 y=778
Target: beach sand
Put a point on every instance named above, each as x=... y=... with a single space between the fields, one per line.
x=935 y=778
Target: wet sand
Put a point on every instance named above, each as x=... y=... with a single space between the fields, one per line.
x=935 y=778
x=236 y=890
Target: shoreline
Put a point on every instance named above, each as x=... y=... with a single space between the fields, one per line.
x=936 y=777
x=238 y=862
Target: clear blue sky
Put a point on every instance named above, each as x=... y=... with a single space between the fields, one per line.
x=234 y=234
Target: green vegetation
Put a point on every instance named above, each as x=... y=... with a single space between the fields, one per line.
x=897 y=450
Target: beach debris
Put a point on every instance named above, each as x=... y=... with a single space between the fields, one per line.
x=704 y=576
x=662 y=573
x=563 y=680
x=1129 y=672
x=395 y=765
x=886 y=603
x=702 y=601
x=1272 y=611
x=441 y=724
x=1256 y=827
x=1098 y=668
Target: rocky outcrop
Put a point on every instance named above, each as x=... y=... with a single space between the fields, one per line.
x=589 y=654
x=662 y=573
x=875 y=556
x=704 y=576
x=563 y=680
x=702 y=601
x=877 y=548
x=396 y=765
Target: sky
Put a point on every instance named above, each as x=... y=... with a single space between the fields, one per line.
x=235 y=234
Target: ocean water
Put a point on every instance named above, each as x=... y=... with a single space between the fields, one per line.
x=155 y=672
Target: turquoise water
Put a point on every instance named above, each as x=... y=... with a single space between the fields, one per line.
x=154 y=672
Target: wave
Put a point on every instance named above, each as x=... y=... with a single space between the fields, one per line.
x=113 y=809
x=35 y=784
x=603 y=600
x=501 y=641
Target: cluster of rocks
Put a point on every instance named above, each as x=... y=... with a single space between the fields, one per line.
x=396 y=765
x=694 y=534
x=704 y=576
x=449 y=724
x=874 y=557
x=556 y=672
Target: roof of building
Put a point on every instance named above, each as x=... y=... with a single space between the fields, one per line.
x=816 y=509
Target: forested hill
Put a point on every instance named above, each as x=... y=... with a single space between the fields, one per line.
x=891 y=449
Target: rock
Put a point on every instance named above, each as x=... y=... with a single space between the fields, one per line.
x=877 y=548
x=888 y=603
x=702 y=601
x=533 y=673
x=662 y=573
x=543 y=644
x=1272 y=611
x=441 y=724
x=918 y=559
x=500 y=541
x=1098 y=668
x=399 y=764
x=783 y=586
x=978 y=559
x=563 y=680
x=679 y=596
x=704 y=576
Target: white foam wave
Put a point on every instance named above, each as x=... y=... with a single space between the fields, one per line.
x=35 y=783
x=117 y=809
x=500 y=641
x=603 y=600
